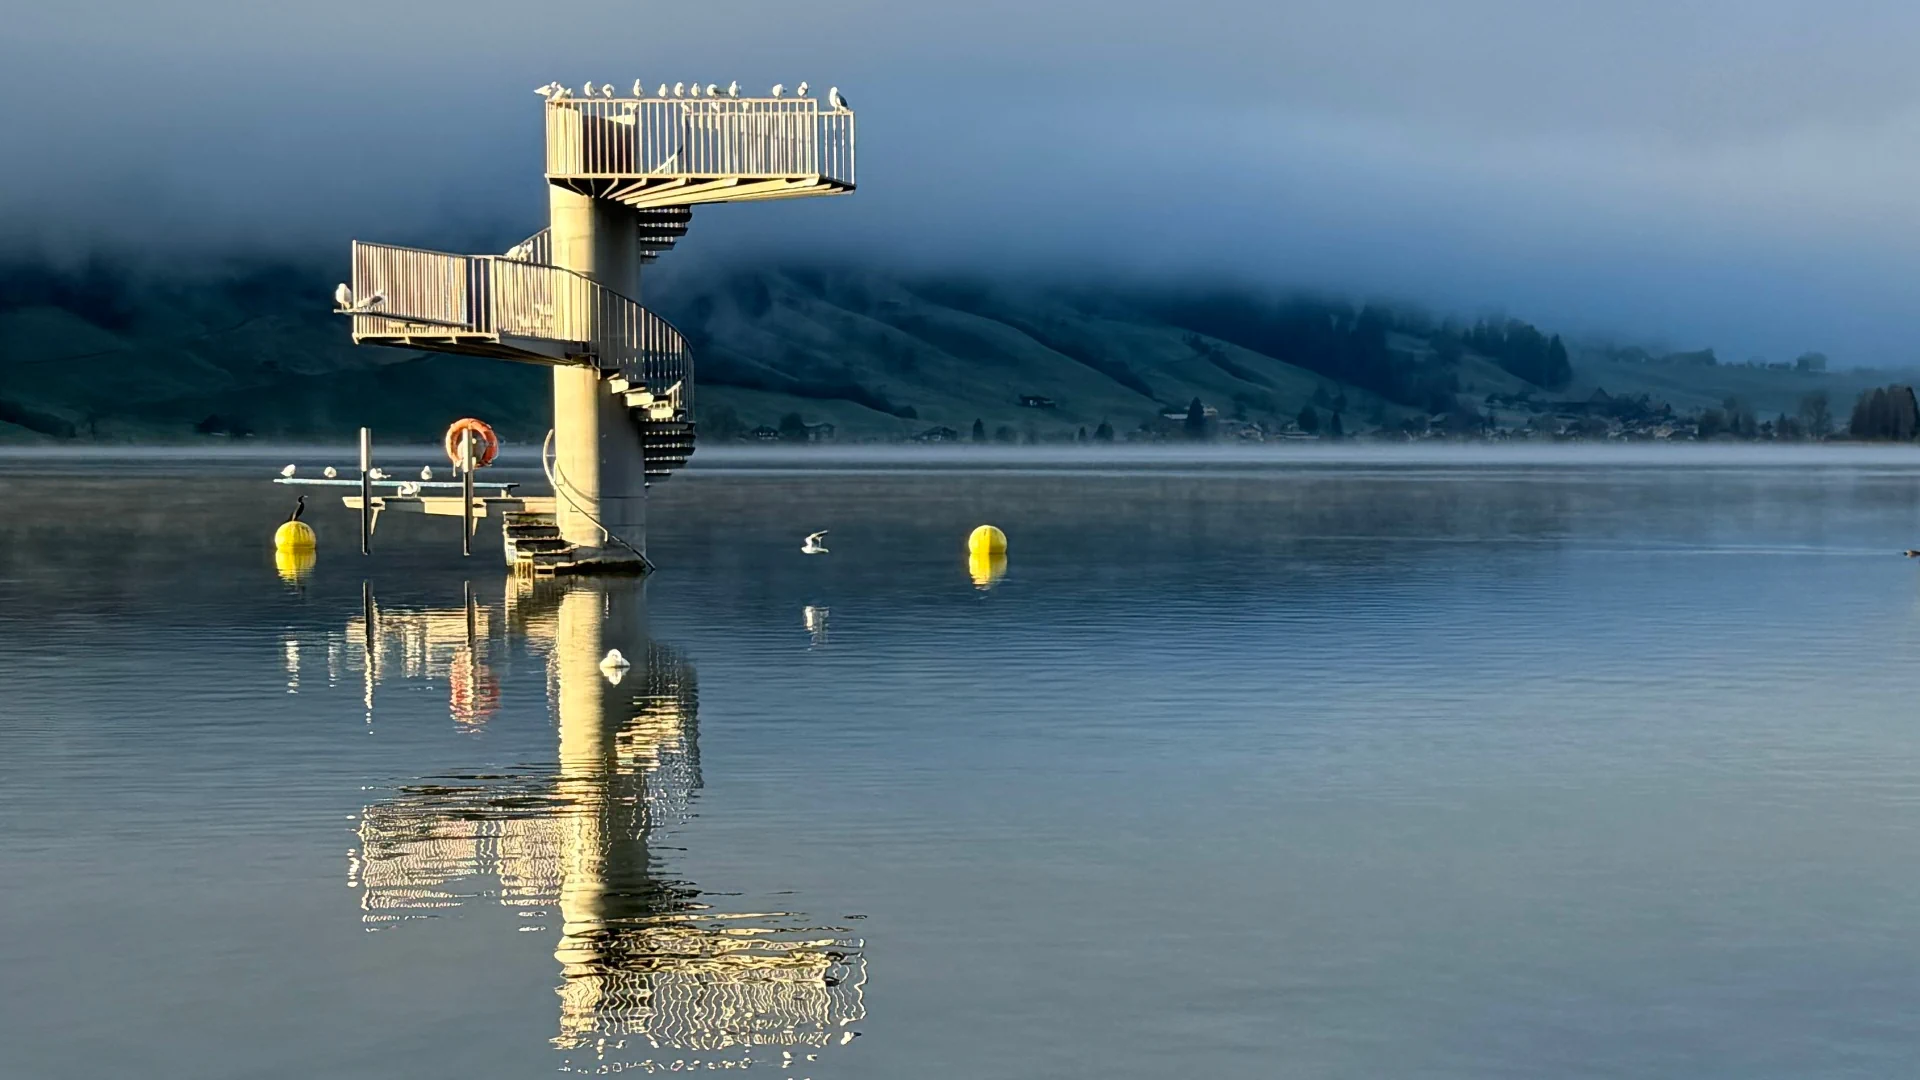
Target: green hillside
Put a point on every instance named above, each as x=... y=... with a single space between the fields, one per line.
x=114 y=353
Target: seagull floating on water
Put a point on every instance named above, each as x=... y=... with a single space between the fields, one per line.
x=813 y=546
x=329 y=472
x=614 y=666
x=834 y=99
x=288 y=471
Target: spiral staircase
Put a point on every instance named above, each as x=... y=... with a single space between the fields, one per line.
x=654 y=159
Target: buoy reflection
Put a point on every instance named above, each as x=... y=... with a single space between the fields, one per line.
x=986 y=567
x=294 y=565
x=649 y=969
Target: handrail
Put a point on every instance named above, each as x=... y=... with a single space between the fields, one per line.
x=537 y=248
x=431 y=293
x=766 y=138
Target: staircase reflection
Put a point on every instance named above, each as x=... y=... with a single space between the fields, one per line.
x=640 y=956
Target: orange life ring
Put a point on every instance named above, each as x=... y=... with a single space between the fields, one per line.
x=485 y=443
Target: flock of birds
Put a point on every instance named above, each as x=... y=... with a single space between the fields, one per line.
x=553 y=91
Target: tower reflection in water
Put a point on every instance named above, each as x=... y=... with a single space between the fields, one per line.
x=641 y=958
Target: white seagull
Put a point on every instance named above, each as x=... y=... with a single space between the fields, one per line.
x=813 y=546
x=369 y=303
x=639 y=88
x=779 y=88
x=606 y=91
x=802 y=92
x=713 y=89
x=376 y=474
x=544 y=91
x=426 y=472
x=834 y=99
x=408 y=488
x=733 y=88
x=587 y=90
x=288 y=471
x=679 y=89
x=663 y=89
x=522 y=251
x=693 y=90
x=614 y=666
x=329 y=472
x=342 y=296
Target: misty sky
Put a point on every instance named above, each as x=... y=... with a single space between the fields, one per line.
x=1740 y=173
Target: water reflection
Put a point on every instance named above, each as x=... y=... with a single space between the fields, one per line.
x=641 y=956
x=986 y=568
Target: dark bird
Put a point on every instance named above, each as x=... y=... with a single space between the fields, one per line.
x=299 y=507
x=1913 y=554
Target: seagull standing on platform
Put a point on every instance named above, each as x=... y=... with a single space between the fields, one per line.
x=426 y=472
x=376 y=474
x=342 y=296
x=329 y=472
x=287 y=472
x=813 y=546
x=834 y=99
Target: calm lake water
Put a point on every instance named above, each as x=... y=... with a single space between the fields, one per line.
x=1478 y=767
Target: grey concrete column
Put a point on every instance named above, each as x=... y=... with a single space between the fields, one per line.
x=598 y=469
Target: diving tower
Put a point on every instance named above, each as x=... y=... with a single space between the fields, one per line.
x=623 y=176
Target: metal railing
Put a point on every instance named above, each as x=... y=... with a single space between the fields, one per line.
x=713 y=137
x=537 y=248
x=426 y=294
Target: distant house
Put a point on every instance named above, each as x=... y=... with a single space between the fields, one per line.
x=1035 y=401
x=763 y=433
x=938 y=434
x=821 y=432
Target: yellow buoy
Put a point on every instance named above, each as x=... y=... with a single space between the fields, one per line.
x=293 y=536
x=987 y=540
x=986 y=568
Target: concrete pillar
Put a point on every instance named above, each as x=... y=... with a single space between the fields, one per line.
x=598 y=469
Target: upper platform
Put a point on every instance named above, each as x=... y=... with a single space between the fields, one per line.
x=656 y=152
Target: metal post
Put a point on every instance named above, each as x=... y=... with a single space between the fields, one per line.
x=366 y=491
x=466 y=492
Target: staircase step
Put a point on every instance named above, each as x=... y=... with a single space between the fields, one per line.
x=536 y=545
x=531 y=532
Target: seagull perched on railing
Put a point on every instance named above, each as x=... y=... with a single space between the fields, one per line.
x=329 y=472
x=663 y=89
x=606 y=91
x=779 y=88
x=693 y=90
x=679 y=89
x=713 y=90
x=288 y=471
x=522 y=251
x=639 y=88
x=376 y=474
x=342 y=296
x=586 y=90
x=548 y=90
x=834 y=99
x=733 y=88
x=802 y=92
x=426 y=472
